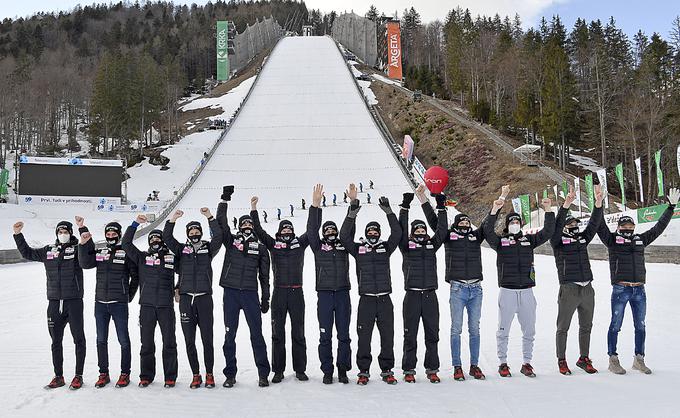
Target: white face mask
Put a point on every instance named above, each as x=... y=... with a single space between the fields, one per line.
x=64 y=238
x=514 y=229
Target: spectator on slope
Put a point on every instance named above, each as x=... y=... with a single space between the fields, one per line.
x=370 y=184
x=117 y=280
x=278 y=214
x=194 y=289
x=344 y=197
x=516 y=278
x=372 y=257
x=628 y=278
x=323 y=199
x=419 y=265
x=235 y=222
x=335 y=199
x=288 y=257
x=368 y=198
x=246 y=262
x=332 y=287
x=264 y=215
x=304 y=204
x=64 y=296
x=156 y=283
x=570 y=247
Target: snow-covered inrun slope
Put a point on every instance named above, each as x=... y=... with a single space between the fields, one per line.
x=305 y=122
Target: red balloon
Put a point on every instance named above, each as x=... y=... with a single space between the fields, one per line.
x=436 y=179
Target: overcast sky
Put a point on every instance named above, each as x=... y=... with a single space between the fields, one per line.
x=631 y=15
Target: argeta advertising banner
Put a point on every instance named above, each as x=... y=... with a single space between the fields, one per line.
x=394 y=51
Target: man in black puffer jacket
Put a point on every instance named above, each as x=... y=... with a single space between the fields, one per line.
x=570 y=247
x=246 y=261
x=117 y=282
x=372 y=258
x=628 y=277
x=156 y=287
x=419 y=265
x=64 y=295
x=195 y=289
x=288 y=258
x=332 y=288
x=516 y=278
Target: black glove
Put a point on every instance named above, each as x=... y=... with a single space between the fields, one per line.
x=264 y=306
x=227 y=191
x=353 y=208
x=406 y=202
x=384 y=204
x=441 y=200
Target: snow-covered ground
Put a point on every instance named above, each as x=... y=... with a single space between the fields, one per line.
x=303 y=124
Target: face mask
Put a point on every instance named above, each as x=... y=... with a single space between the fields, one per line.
x=112 y=241
x=573 y=230
x=195 y=239
x=464 y=229
x=331 y=237
x=514 y=229
x=64 y=238
x=287 y=237
x=372 y=239
x=627 y=232
x=155 y=245
x=419 y=238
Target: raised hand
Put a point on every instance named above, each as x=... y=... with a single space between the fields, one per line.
x=599 y=195
x=673 y=196
x=406 y=201
x=421 y=193
x=227 y=191
x=547 y=204
x=85 y=237
x=497 y=205
x=384 y=205
x=352 y=191
x=317 y=195
x=176 y=215
x=80 y=221
x=17 y=227
x=206 y=212
x=569 y=198
x=253 y=202
x=141 y=219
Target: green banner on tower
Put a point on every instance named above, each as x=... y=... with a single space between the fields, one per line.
x=222 y=51
x=659 y=173
x=619 y=176
x=526 y=209
x=590 y=192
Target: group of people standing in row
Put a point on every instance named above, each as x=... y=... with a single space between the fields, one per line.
x=123 y=270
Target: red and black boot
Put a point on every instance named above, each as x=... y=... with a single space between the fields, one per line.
x=144 y=383
x=504 y=370
x=586 y=364
x=389 y=378
x=57 y=382
x=410 y=377
x=362 y=380
x=527 y=370
x=476 y=372
x=76 y=383
x=209 y=380
x=196 y=382
x=458 y=374
x=103 y=380
x=564 y=368
x=123 y=380
x=433 y=378
x=169 y=383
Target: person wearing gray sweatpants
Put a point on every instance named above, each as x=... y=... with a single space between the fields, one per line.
x=516 y=278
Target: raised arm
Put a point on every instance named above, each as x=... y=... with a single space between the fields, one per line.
x=313 y=225
x=87 y=254
x=32 y=254
x=596 y=217
x=215 y=232
x=128 y=238
x=348 y=227
x=561 y=218
x=395 y=228
x=548 y=230
x=403 y=224
x=221 y=216
x=489 y=224
x=266 y=239
x=168 y=236
x=442 y=230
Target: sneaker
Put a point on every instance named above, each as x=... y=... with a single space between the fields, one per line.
x=615 y=366
x=209 y=380
x=169 y=383
x=57 y=382
x=476 y=372
x=586 y=364
x=433 y=378
x=639 y=364
x=144 y=383
x=458 y=374
x=410 y=378
x=103 y=380
x=123 y=380
x=263 y=382
x=342 y=377
x=563 y=366
x=76 y=383
x=301 y=376
x=362 y=380
x=196 y=382
x=527 y=370
x=229 y=383
x=278 y=377
x=504 y=370
x=328 y=378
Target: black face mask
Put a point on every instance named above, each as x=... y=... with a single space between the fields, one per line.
x=627 y=232
x=195 y=239
x=464 y=229
x=287 y=237
x=331 y=237
x=372 y=239
x=573 y=230
x=420 y=238
x=112 y=241
x=155 y=246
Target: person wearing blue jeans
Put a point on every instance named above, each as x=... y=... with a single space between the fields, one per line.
x=465 y=297
x=103 y=314
x=637 y=298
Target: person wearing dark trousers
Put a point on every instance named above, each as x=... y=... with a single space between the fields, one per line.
x=156 y=287
x=628 y=277
x=246 y=261
x=419 y=265
x=372 y=258
x=116 y=285
x=516 y=279
x=194 y=289
x=64 y=296
x=463 y=255
x=332 y=288
x=288 y=257
x=576 y=294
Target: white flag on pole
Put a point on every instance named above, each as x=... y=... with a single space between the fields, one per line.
x=602 y=177
x=577 y=190
x=638 y=168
